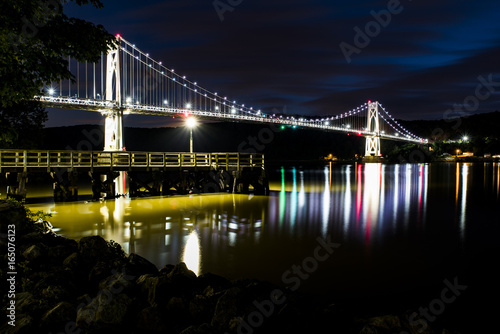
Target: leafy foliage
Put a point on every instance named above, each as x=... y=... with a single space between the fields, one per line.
x=36 y=39
x=21 y=125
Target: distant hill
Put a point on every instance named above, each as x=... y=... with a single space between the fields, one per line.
x=276 y=143
x=480 y=125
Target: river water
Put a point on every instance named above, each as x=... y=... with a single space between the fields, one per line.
x=399 y=229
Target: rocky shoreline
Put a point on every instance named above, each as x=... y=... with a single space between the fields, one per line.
x=92 y=286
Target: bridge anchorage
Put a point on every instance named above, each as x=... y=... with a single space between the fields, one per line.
x=128 y=81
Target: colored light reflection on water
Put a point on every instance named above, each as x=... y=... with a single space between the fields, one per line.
x=380 y=214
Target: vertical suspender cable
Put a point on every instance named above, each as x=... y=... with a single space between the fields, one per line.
x=102 y=73
x=69 y=80
x=93 y=80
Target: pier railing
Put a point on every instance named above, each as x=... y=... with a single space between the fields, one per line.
x=125 y=160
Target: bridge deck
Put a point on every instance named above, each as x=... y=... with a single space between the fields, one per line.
x=24 y=160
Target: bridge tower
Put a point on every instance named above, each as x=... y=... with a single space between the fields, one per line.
x=373 y=142
x=113 y=128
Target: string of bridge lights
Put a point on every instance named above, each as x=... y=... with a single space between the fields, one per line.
x=186 y=83
x=408 y=133
x=217 y=100
x=193 y=86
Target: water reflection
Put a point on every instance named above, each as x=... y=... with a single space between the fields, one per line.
x=462 y=174
x=192 y=254
x=166 y=230
x=363 y=204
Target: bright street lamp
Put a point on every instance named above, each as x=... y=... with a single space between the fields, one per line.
x=191 y=123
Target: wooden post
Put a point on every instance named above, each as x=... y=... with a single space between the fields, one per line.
x=25 y=161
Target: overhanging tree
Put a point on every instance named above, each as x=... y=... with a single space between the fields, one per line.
x=36 y=38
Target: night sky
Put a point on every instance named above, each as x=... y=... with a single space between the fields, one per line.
x=421 y=59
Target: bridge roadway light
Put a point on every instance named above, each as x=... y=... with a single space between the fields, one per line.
x=465 y=138
x=191 y=123
x=51 y=91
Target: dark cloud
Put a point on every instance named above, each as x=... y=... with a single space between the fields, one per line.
x=286 y=53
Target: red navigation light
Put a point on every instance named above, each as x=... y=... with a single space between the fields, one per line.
x=369 y=101
x=118 y=36
x=359 y=133
x=186 y=114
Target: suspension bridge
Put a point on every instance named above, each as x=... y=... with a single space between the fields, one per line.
x=127 y=80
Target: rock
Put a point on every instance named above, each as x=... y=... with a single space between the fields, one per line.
x=147 y=287
x=71 y=262
x=215 y=282
x=369 y=329
x=199 y=329
x=137 y=265
x=417 y=325
x=177 y=311
x=385 y=322
x=106 y=311
x=58 y=317
x=14 y=214
x=26 y=303
x=58 y=254
x=118 y=283
x=167 y=269
x=35 y=253
x=202 y=307
x=93 y=249
x=56 y=277
x=102 y=270
x=150 y=319
x=24 y=325
x=181 y=273
x=55 y=293
x=227 y=308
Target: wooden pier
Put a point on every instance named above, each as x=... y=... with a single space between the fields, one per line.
x=148 y=173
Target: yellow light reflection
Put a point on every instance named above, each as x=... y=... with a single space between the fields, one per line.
x=192 y=255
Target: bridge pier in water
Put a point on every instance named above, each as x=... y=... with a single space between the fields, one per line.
x=16 y=184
